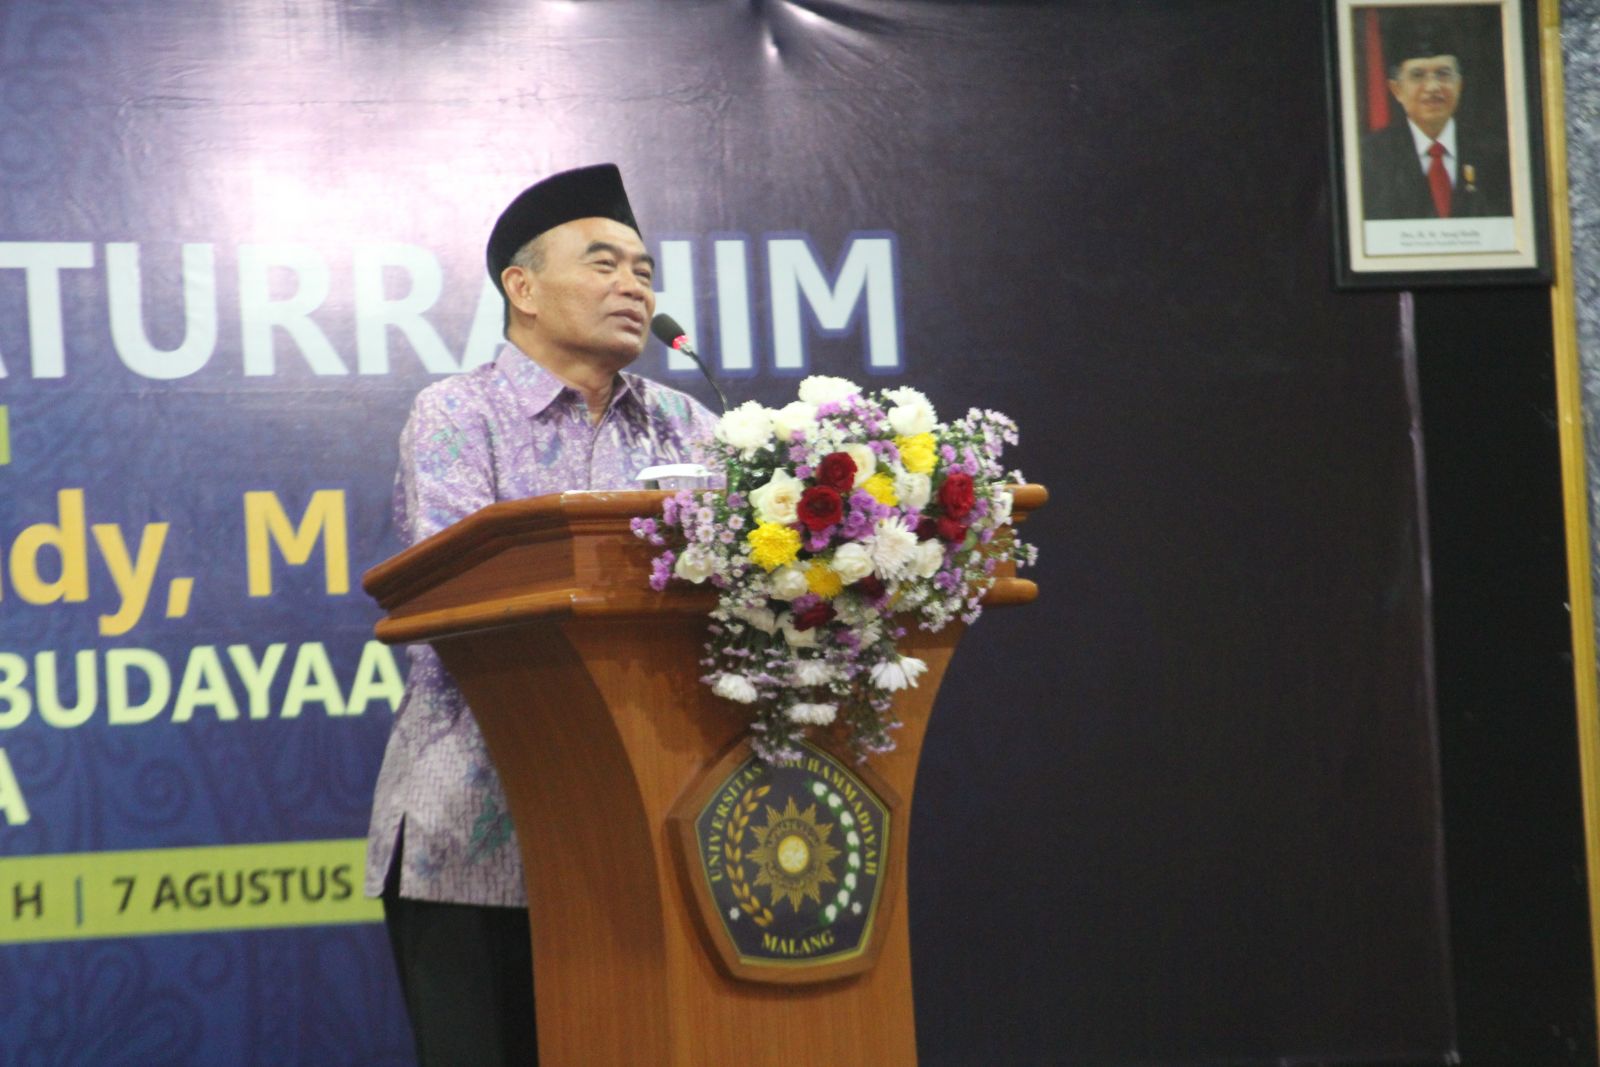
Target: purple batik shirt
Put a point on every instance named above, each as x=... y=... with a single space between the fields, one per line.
x=502 y=431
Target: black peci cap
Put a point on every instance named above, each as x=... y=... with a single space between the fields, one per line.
x=588 y=192
x=1416 y=35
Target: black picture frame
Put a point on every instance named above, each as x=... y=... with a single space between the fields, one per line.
x=1387 y=229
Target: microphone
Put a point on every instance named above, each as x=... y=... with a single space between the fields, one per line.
x=673 y=336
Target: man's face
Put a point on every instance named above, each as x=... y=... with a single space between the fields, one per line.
x=594 y=297
x=1429 y=89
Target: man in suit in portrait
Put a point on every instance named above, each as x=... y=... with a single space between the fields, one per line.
x=1429 y=165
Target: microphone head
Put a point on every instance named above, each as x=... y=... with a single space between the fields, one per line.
x=667 y=329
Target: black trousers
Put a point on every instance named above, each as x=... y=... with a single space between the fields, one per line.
x=466 y=973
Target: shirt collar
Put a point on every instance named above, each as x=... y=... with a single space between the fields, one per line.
x=535 y=388
x=1447 y=137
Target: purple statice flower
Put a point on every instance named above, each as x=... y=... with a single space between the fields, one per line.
x=848 y=638
x=642 y=527
x=989 y=565
x=947 y=581
x=947 y=453
x=736 y=501
x=985 y=537
x=804 y=602
x=858 y=521
x=861 y=500
x=661 y=570
x=829 y=410
x=818 y=540
x=803 y=471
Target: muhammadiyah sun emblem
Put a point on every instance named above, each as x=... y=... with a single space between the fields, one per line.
x=793 y=855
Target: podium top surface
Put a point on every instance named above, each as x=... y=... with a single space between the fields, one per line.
x=569 y=553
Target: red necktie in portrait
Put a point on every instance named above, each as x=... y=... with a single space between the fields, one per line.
x=1439 y=180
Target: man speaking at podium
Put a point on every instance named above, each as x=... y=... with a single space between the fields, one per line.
x=553 y=412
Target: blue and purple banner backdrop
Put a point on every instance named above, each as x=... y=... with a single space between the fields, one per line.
x=236 y=239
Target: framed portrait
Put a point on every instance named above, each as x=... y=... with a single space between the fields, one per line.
x=1438 y=146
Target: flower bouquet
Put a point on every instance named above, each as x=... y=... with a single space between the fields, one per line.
x=845 y=516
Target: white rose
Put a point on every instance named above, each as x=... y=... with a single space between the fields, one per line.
x=761 y=618
x=928 y=559
x=912 y=413
x=851 y=562
x=1001 y=510
x=735 y=687
x=914 y=490
x=777 y=499
x=796 y=638
x=892 y=548
x=812 y=714
x=797 y=415
x=788 y=582
x=821 y=389
x=747 y=427
x=866 y=461
x=695 y=565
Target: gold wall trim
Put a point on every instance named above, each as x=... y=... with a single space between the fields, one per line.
x=1574 y=480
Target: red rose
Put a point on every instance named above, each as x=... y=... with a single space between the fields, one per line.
x=837 y=471
x=952 y=530
x=820 y=507
x=871 y=586
x=927 y=528
x=815 y=615
x=955 y=495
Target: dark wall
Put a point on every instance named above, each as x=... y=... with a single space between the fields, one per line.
x=1223 y=842
x=1216 y=838
x=1512 y=801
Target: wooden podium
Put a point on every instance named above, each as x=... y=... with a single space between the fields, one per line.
x=586 y=686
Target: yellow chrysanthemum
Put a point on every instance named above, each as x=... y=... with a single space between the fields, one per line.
x=881 y=486
x=916 y=452
x=823 y=580
x=772 y=545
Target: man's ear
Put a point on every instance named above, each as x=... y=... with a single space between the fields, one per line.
x=522 y=289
